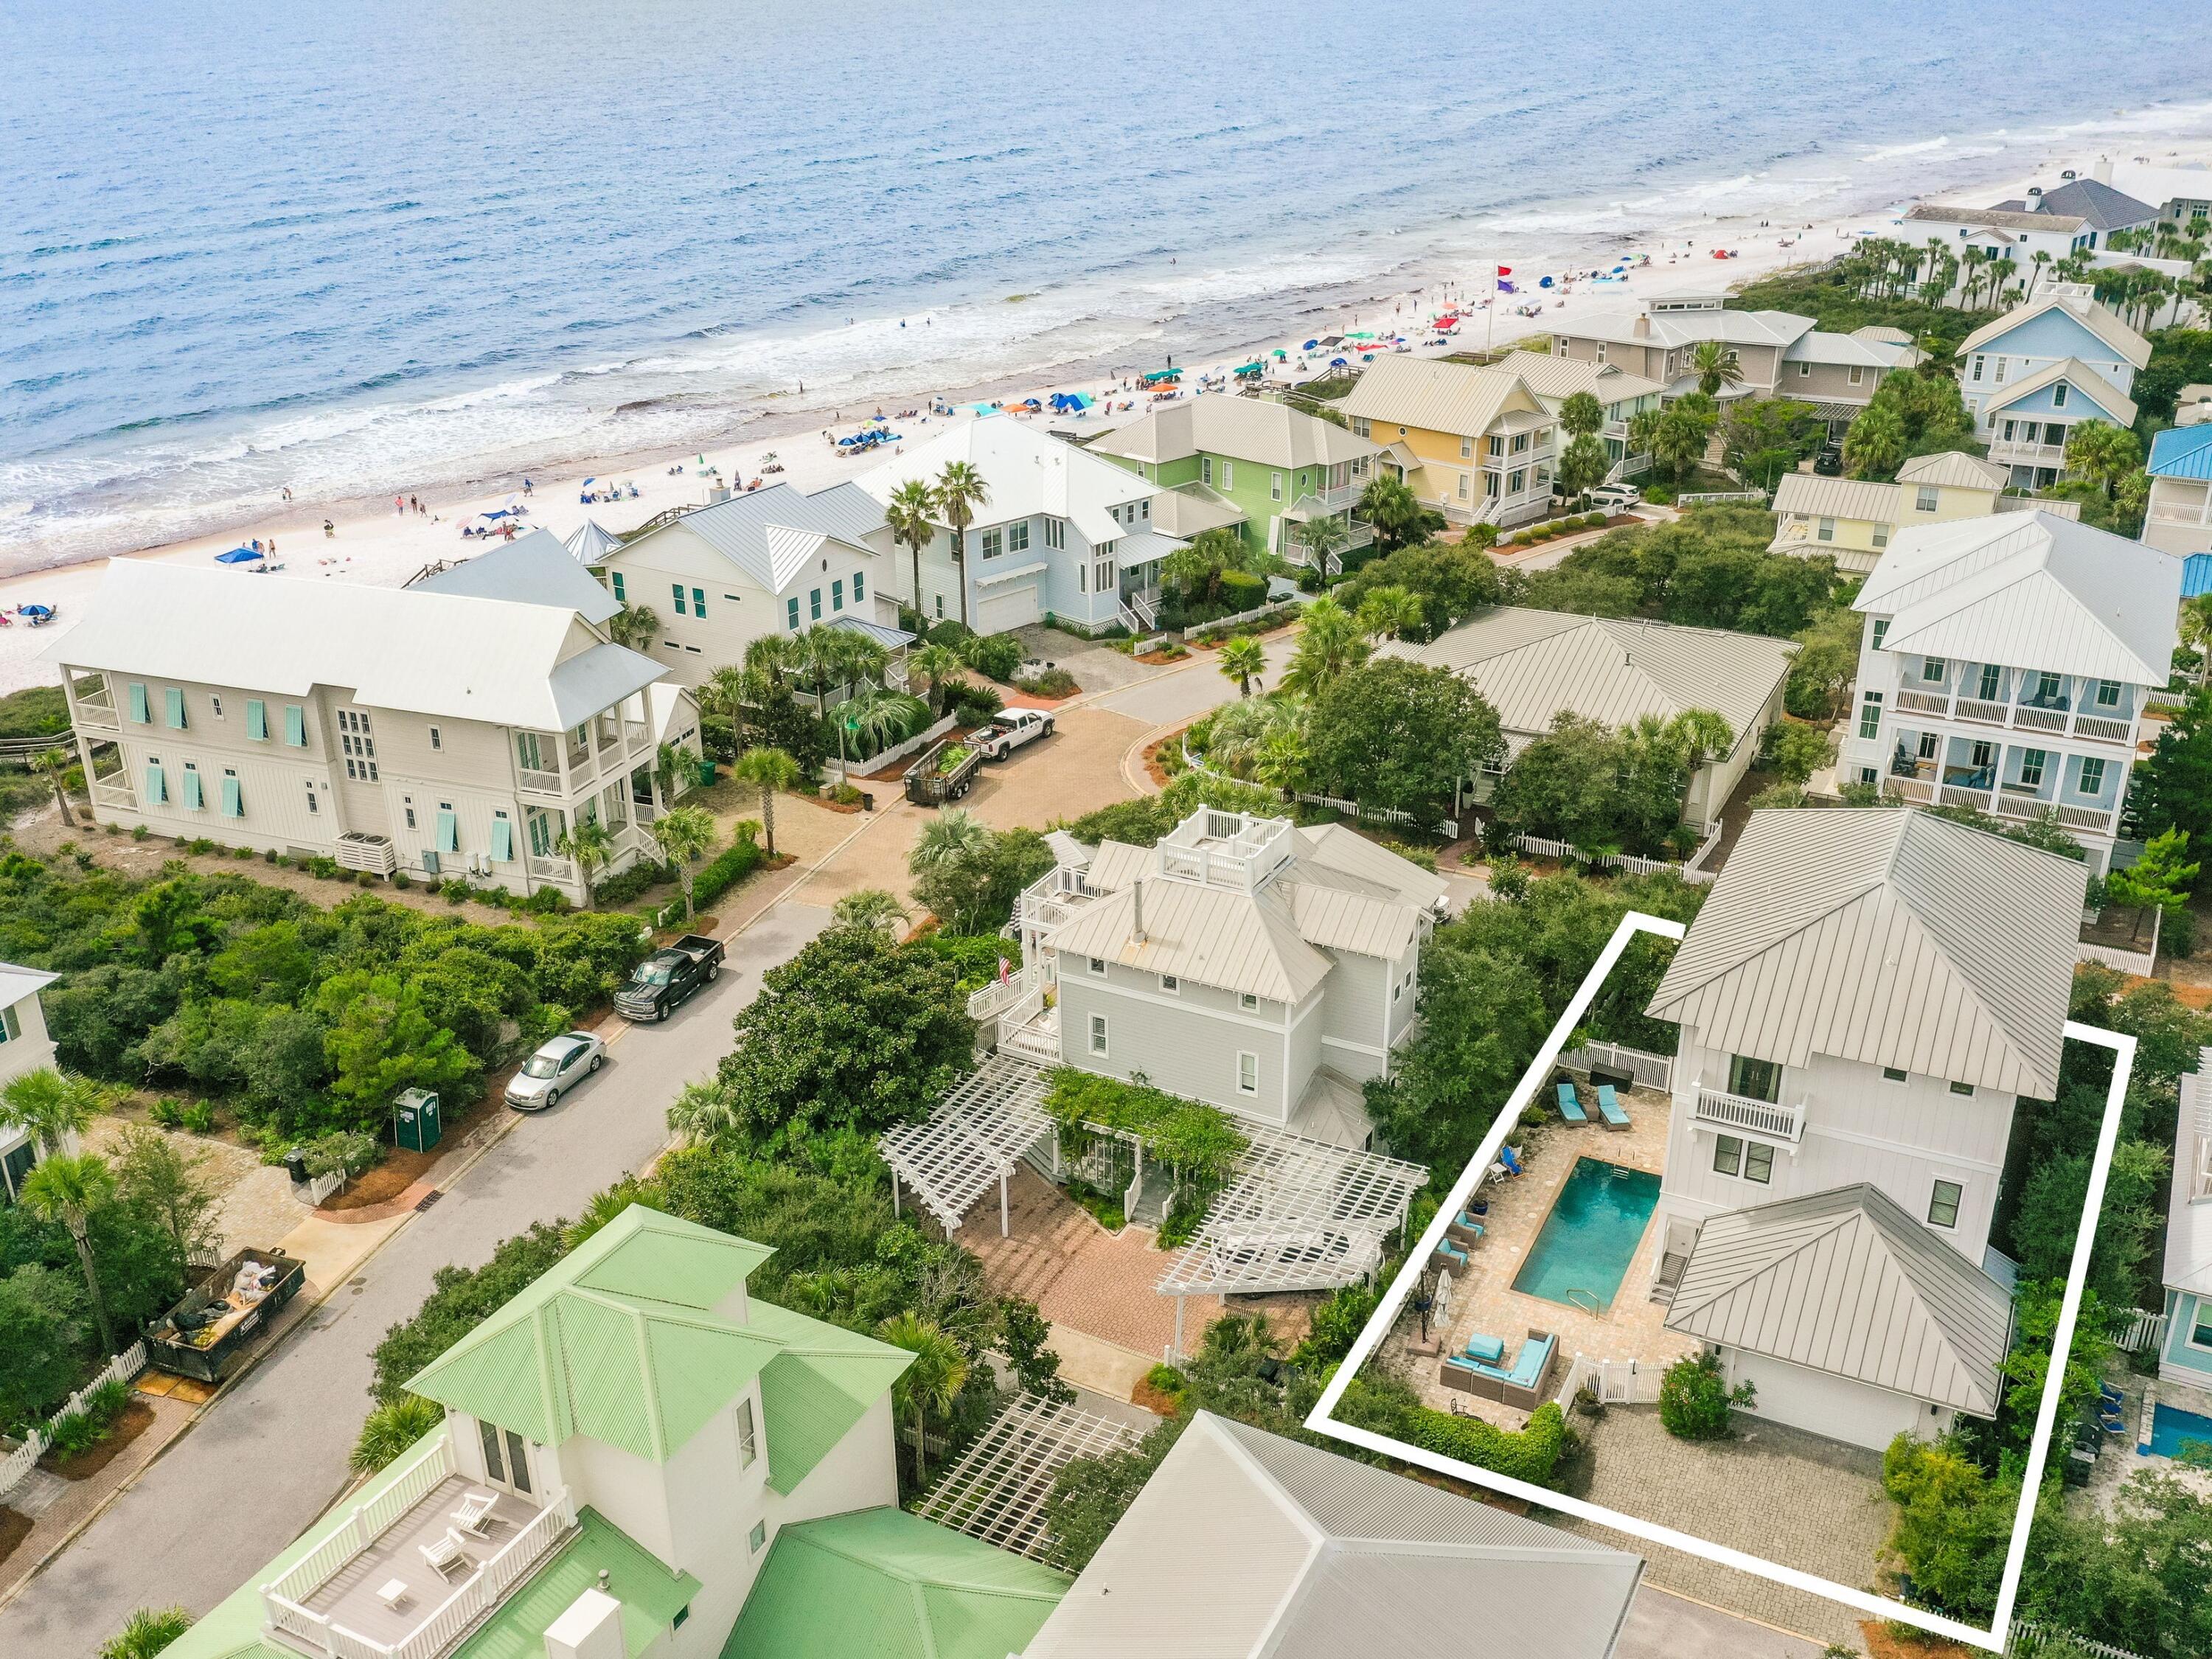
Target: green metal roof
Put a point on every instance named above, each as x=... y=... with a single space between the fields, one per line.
x=619 y=1343
x=884 y=1584
x=650 y=1596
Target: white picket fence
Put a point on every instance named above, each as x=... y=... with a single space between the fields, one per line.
x=2142 y=1333
x=1715 y=498
x=1392 y=815
x=1219 y=623
x=1650 y=1070
x=1614 y=1381
x=1544 y=847
x=2026 y=1641
x=20 y=1462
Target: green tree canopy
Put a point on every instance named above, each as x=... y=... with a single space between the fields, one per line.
x=1401 y=735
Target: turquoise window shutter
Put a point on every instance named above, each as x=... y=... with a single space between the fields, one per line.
x=503 y=841
x=295 y=725
x=173 y=705
x=232 y=806
x=449 y=834
x=192 y=790
x=256 y=719
x=157 y=790
x=138 y=705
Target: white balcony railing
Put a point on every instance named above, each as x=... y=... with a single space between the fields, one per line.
x=2003 y=451
x=532 y=782
x=2040 y=719
x=1722 y=1109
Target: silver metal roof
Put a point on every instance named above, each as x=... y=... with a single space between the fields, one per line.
x=1885 y=936
x=17 y=983
x=770 y=534
x=2189 y=1207
x=2082 y=307
x=1244 y=1545
x=2029 y=589
x=1845 y=1282
x=532 y=569
x=1956 y=468
x=1438 y=396
x=1256 y=429
x=589 y=543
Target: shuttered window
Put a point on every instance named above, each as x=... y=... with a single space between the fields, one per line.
x=138 y=705
x=449 y=831
x=295 y=725
x=157 y=786
x=256 y=719
x=192 y=801
x=502 y=839
x=172 y=707
x=234 y=803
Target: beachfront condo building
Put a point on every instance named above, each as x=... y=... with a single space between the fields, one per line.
x=1776 y=353
x=2178 y=517
x=2014 y=231
x=1533 y=666
x=2185 y=1355
x=773 y=562
x=1863 y=997
x=1059 y=533
x=2040 y=370
x=2006 y=665
x=437 y=733
x=1250 y=465
x=1477 y=445
x=1853 y=521
x=24 y=1047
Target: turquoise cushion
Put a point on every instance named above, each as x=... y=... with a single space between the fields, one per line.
x=1486 y=1348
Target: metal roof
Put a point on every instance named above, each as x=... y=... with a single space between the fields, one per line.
x=2195 y=574
x=650 y=1592
x=1556 y=378
x=1245 y=1544
x=2082 y=307
x=532 y=569
x=1438 y=396
x=589 y=543
x=1861 y=499
x=2189 y=1202
x=394 y=648
x=1532 y=665
x=2085 y=380
x=770 y=534
x=1954 y=469
x=2029 y=589
x=1845 y=1282
x=1027 y=472
x=1256 y=429
x=2182 y=451
x=1818 y=346
x=2059 y=224
x=1186 y=509
x=17 y=983
x=1669 y=329
x=1888 y=937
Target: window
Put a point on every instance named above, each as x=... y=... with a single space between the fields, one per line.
x=698 y=601
x=1055 y=534
x=837 y=594
x=1893 y=1073
x=621 y=598
x=1096 y=966
x=256 y=719
x=495 y=1465
x=860 y=585
x=2047 y=686
x=2108 y=694
x=1962 y=1089
x=1929 y=741
x=1600 y=353
x=1978 y=360
x=1462 y=486
x=1205 y=470
x=1247 y=1073
x=1826 y=532
x=1931 y=670
x=1748 y=1160
x=677 y=588
x=1467 y=448
x=1870 y=715
x=1518 y=481
x=748 y=1441
x=1981 y=756
x=1858 y=374
x=1992 y=682
x=757 y=1537
x=173 y=703
x=1881 y=535
x=2031 y=767
x=1361 y=427
x=1880 y=631
x=214 y=705
x=138 y=712
x=1520 y=443
x=940 y=607
x=791 y=612
x=1923 y=499
x=1728 y=1155
x=233 y=805
x=2058 y=395
x=1944 y=1204
x=1274 y=486
x=1804 y=371
x=1097 y=1034
x=314 y=805
x=1759 y=1162
x=2092 y=777
x=995 y=543
x=437 y=738
x=1101 y=576
x=1754 y=1080
x=1246 y=1001
x=1171 y=985
x=528 y=753
x=502 y=838
x=814 y=605
x=193 y=802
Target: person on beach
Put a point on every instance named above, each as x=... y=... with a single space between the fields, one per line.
x=400 y=507
x=328 y=529
x=526 y=486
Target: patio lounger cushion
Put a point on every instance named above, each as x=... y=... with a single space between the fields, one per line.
x=1451 y=1252
x=1571 y=1105
x=1488 y=1349
x=1529 y=1365
x=1610 y=1108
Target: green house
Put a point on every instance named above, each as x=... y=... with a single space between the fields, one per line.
x=1251 y=464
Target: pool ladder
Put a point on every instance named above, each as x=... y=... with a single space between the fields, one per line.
x=1586 y=1300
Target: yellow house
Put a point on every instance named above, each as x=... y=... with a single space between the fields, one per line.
x=1476 y=444
x=1852 y=519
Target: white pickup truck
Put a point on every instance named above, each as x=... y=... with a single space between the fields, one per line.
x=1009 y=732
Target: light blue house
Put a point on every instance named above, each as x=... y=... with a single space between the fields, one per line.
x=2186 y=1354
x=2177 y=516
x=2032 y=376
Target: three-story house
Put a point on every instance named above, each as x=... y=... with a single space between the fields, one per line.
x=2043 y=368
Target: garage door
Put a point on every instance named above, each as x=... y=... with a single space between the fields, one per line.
x=1833 y=1405
x=997 y=612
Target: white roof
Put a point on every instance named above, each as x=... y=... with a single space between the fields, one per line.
x=1257 y=429
x=1680 y=328
x=1845 y=1282
x=2189 y=1205
x=532 y=569
x=1955 y=469
x=1887 y=937
x=1245 y=1544
x=1818 y=346
x=2029 y=589
x=1027 y=473
x=17 y=983
x=2129 y=346
x=772 y=534
x=587 y=543
x=1859 y=499
x=1557 y=379
x=1531 y=666
x=531 y=665
x=1439 y=396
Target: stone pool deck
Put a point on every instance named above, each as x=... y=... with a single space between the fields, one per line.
x=1484 y=1300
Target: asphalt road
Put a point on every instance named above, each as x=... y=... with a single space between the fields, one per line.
x=269 y=1455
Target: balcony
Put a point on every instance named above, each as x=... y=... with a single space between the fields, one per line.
x=92 y=705
x=367 y=1592
x=2057 y=718
x=2024 y=454
x=532 y=781
x=1718 y=1109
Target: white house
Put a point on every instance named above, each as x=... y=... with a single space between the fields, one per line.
x=2041 y=369
x=2017 y=234
x=24 y=1047
x=1061 y=533
x=2186 y=1354
x=2007 y=665
x=1863 y=997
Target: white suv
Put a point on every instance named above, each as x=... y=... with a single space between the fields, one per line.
x=1615 y=498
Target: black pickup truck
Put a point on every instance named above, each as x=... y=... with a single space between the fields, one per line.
x=664 y=979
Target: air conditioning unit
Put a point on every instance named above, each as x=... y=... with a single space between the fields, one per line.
x=429 y=862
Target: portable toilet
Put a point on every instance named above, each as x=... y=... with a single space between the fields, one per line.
x=415 y=1125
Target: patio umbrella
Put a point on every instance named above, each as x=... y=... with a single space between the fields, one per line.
x=236 y=556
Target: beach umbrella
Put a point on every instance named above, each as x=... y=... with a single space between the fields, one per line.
x=236 y=556
x=1311 y=345
x=1337 y=363
x=43 y=612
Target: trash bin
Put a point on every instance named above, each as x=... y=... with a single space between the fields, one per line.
x=706 y=771
x=867 y=801
x=295 y=1166
x=415 y=1120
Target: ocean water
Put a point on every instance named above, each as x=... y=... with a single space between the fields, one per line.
x=396 y=245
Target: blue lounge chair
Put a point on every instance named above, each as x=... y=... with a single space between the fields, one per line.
x=1486 y=1349
x=1508 y=1160
x=1609 y=1108
x=1571 y=1105
x=1466 y=1230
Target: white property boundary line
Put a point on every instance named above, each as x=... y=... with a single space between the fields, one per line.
x=1322 y=1422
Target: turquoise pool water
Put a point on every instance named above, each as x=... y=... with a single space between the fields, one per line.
x=2170 y=1425
x=1590 y=1236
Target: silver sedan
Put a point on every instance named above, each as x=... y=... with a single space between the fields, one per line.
x=557 y=1066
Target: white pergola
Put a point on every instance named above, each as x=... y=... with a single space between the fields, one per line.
x=971 y=1142
x=1299 y=1214
x=996 y=1492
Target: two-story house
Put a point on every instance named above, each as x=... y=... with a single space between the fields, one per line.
x=2017 y=231
x=2178 y=518
x=1061 y=532
x=775 y=561
x=1476 y=444
x=438 y=732
x=2186 y=1354
x=2006 y=666
x=1623 y=397
x=2041 y=369
x=1278 y=468
x=1852 y=519
x=1260 y=968
x=1863 y=997
x=24 y=1047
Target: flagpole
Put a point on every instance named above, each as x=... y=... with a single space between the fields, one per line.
x=1490 y=325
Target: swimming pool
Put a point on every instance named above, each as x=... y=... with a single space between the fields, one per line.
x=2170 y=1425
x=1590 y=1236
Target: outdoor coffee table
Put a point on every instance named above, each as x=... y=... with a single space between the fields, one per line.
x=392 y=1592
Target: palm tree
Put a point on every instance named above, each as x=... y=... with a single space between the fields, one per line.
x=55 y=764
x=960 y=492
x=954 y=834
x=1970 y=263
x=67 y=1188
x=770 y=771
x=588 y=841
x=869 y=909
x=53 y=1108
x=1388 y=613
x=2103 y=453
x=928 y=1387
x=1322 y=539
x=390 y=1429
x=1643 y=431
x=911 y=515
x=684 y=836
x=1243 y=659
x=635 y=626
x=668 y=764
x=1582 y=415
x=938 y=666
x=1582 y=467
x=2196 y=632
x=1330 y=646
x=1714 y=363
x=729 y=688
x=2037 y=261
x=146 y=1633
x=1874 y=445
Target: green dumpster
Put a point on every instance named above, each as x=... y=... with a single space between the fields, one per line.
x=416 y=1124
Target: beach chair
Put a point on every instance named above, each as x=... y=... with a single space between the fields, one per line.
x=1609 y=1107
x=1570 y=1104
x=444 y=1554
x=474 y=1515
x=1449 y=1255
x=1464 y=1229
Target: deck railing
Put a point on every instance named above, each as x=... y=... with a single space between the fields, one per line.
x=1762 y=1117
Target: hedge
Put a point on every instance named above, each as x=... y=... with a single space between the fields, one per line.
x=1387 y=1405
x=737 y=861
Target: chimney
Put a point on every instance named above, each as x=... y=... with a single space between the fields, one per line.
x=2035 y=192
x=2102 y=172
x=590 y=1629
x=1137 y=904
x=1643 y=329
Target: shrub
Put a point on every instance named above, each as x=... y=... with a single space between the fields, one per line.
x=1053 y=683
x=728 y=867
x=1242 y=590
x=952 y=634
x=402 y=880
x=1389 y=1406
x=146 y=1633
x=1693 y=1400
x=997 y=655
x=390 y=1429
x=241 y=852
x=1594 y=520
x=139 y=832
x=1425 y=857
x=198 y=1117
x=269 y=855
x=73 y=1434
x=165 y=1112
x=1336 y=1325
x=1167 y=1380
x=106 y=1402
x=975 y=703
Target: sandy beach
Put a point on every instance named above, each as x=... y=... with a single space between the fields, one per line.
x=373 y=542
